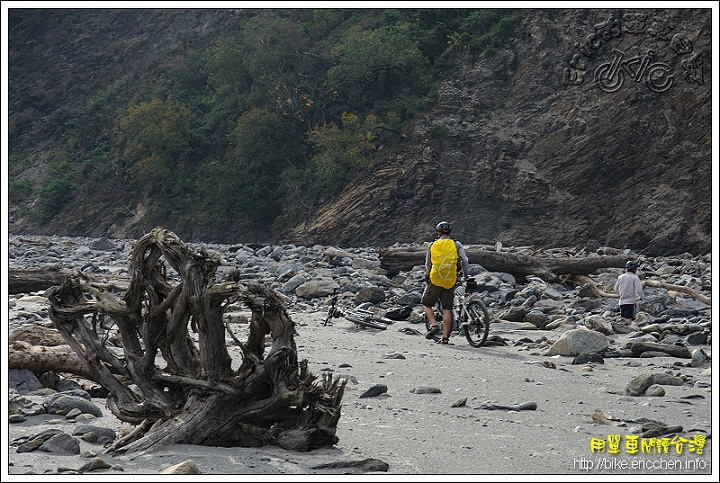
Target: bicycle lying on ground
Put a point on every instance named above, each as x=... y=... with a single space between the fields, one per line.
x=469 y=315
x=358 y=316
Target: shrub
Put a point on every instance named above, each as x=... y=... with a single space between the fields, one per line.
x=19 y=191
x=438 y=129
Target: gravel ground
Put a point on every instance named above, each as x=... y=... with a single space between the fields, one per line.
x=424 y=434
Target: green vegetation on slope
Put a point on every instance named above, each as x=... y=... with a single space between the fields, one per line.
x=222 y=118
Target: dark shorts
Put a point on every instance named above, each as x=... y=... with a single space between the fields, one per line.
x=627 y=311
x=432 y=293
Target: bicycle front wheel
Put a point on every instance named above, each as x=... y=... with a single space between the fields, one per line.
x=476 y=332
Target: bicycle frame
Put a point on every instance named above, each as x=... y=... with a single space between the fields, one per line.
x=459 y=310
x=332 y=312
x=460 y=305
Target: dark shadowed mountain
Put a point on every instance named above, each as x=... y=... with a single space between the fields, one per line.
x=584 y=127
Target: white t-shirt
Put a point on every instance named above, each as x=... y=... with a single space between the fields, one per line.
x=629 y=287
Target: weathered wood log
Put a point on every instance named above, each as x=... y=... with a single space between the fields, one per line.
x=584 y=280
x=26 y=280
x=40 y=359
x=195 y=397
x=679 y=288
x=396 y=259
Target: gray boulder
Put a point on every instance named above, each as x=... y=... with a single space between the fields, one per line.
x=103 y=245
x=62 y=403
x=293 y=283
x=101 y=432
x=578 y=341
x=374 y=295
x=639 y=384
x=61 y=443
x=316 y=288
x=23 y=381
x=514 y=314
x=537 y=318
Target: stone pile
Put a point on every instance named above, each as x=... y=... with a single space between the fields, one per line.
x=308 y=276
x=552 y=319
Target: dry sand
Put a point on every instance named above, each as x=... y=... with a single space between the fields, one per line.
x=423 y=434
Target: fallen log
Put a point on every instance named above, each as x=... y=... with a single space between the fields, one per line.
x=21 y=280
x=397 y=259
x=679 y=288
x=27 y=280
x=39 y=359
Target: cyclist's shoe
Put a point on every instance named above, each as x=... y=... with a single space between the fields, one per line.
x=445 y=340
x=432 y=332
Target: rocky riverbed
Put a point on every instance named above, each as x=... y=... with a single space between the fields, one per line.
x=560 y=376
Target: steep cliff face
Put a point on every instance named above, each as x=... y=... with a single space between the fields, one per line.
x=590 y=127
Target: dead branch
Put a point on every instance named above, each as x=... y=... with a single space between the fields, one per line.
x=582 y=280
x=679 y=288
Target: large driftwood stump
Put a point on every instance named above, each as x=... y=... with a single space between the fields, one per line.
x=396 y=259
x=195 y=397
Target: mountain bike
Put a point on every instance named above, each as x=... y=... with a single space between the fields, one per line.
x=358 y=316
x=333 y=311
x=469 y=315
x=365 y=318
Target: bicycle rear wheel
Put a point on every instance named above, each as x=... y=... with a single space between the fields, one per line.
x=477 y=331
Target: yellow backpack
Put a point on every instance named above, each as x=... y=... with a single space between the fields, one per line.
x=444 y=258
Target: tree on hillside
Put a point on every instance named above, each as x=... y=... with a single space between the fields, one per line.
x=245 y=183
x=340 y=152
x=156 y=138
x=189 y=88
x=174 y=355
x=374 y=65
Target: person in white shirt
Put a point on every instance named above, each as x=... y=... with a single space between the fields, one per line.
x=629 y=287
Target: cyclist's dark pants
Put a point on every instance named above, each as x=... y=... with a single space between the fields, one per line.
x=433 y=292
x=627 y=311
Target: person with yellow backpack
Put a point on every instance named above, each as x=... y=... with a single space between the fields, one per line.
x=441 y=264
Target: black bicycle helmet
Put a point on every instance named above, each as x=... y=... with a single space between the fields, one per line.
x=444 y=226
x=631 y=265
